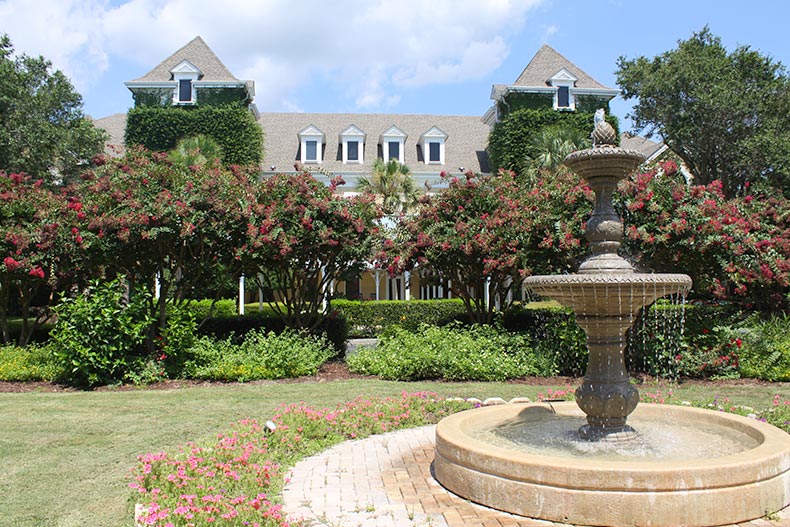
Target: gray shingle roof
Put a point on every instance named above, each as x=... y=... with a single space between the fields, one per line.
x=467 y=137
x=546 y=63
x=642 y=145
x=115 y=126
x=197 y=52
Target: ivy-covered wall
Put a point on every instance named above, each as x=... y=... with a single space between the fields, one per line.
x=232 y=126
x=545 y=101
x=509 y=141
x=163 y=97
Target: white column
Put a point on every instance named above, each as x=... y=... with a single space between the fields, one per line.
x=406 y=285
x=377 y=278
x=157 y=286
x=241 y=295
x=487 y=291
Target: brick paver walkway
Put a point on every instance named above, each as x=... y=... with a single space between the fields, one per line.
x=386 y=481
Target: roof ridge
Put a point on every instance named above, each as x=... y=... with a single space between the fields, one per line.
x=546 y=62
x=211 y=65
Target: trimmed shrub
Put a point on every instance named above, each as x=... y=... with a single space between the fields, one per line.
x=453 y=353
x=374 y=317
x=261 y=355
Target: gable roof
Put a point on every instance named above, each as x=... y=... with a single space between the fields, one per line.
x=465 y=145
x=546 y=63
x=197 y=53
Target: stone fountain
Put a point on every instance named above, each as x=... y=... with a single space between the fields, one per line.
x=603 y=461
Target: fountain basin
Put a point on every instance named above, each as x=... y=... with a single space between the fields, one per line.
x=608 y=294
x=737 y=484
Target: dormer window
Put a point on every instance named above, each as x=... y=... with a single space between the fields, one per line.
x=185 y=74
x=353 y=144
x=311 y=145
x=392 y=144
x=563 y=80
x=432 y=143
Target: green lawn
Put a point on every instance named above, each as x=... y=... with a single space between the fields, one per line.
x=65 y=457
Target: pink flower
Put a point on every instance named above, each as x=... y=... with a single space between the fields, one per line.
x=11 y=264
x=37 y=272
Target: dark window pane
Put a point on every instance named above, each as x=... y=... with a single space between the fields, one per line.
x=353 y=150
x=394 y=150
x=563 y=97
x=433 y=152
x=185 y=90
x=311 y=151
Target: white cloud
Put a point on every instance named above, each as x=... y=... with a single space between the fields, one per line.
x=366 y=50
x=65 y=32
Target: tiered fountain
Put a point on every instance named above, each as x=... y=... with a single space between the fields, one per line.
x=588 y=462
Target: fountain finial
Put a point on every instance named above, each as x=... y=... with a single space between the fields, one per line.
x=604 y=134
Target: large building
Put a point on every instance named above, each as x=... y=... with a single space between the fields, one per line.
x=348 y=144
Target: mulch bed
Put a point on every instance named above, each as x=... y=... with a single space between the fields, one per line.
x=329 y=372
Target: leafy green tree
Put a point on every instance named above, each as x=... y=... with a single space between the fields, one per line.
x=391 y=181
x=42 y=129
x=726 y=115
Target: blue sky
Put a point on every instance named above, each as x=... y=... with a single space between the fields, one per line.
x=399 y=56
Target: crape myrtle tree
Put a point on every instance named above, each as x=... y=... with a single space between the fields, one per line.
x=42 y=129
x=301 y=237
x=150 y=218
x=41 y=247
x=735 y=249
x=489 y=232
x=726 y=115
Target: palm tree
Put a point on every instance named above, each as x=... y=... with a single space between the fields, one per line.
x=196 y=150
x=393 y=182
x=551 y=145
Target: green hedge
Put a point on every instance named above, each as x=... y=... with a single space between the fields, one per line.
x=369 y=318
x=237 y=326
x=232 y=126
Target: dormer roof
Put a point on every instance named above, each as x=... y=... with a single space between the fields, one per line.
x=197 y=54
x=547 y=64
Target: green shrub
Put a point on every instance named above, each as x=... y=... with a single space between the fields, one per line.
x=764 y=349
x=261 y=355
x=371 y=318
x=479 y=353
x=30 y=363
x=554 y=333
x=236 y=327
x=100 y=333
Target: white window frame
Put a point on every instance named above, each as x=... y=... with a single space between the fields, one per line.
x=311 y=133
x=350 y=135
x=395 y=135
x=185 y=71
x=566 y=79
x=434 y=135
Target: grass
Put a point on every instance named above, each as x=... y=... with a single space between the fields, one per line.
x=66 y=458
